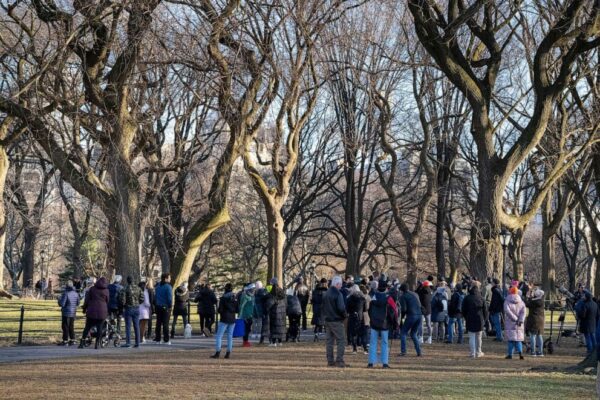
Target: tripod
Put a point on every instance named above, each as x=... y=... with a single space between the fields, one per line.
x=562 y=317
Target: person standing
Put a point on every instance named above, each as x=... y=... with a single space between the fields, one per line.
x=163 y=301
x=95 y=307
x=455 y=314
x=68 y=302
x=130 y=299
x=317 y=307
x=381 y=322
x=227 y=309
x=294 y=314
x=276 y=306
x=334 y=312
x=207 y=300
x=182 y=299
x=355 y=308
x=534 y=324
x=303 y=294
x=365 y=330
x=587 y=311
x=145 y=311
x=496 y=307
x=514 y=318
x=410 y=307
x=439 y=313
x=424 y=292
x=260 y=302
x=475 y=314
x=247 y=311
x=113 y=303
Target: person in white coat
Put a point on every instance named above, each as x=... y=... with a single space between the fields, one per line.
x=145 y=309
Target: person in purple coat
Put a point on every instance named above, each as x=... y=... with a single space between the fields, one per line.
x=95 y=307
x=514 y=318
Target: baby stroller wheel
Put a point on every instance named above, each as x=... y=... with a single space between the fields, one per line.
x=115 y=338
x=550 y=347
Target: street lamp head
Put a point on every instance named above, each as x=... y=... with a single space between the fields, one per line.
x=505 y=237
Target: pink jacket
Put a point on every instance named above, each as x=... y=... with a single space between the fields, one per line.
x=514 y=318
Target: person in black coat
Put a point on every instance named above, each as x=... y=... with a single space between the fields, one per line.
x=317 y=307
x=355 y=307
x=587 y=313
x=294 y=313
x=425 y=296
x=182 y=299
x=227 y=309
x=534 y=324
x=496 y=309
x=277 y=308
x=207 y=300
x=475 y=314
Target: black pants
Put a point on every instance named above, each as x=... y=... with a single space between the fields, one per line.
x=68 y=328
x=304 y=305
x=247 y=328
x=163 y=315
x=89 y=322
x=148 y=333
x=206 y=321
x=184 y=316
x=294 y=328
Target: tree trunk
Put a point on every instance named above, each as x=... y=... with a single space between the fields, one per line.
x=4 y=165
x=412 y=256
x=516 y=252
x=163 y=252
x=440 y=254
x=27 y=257
x=596 y=280
x=485 y=250
x=76 y=257
x=548 y=263
x=277 y=238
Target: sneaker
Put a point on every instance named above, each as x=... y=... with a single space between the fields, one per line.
x=539 y=354
x=386 y=366
x=508 y=357
x=369 y=365
x=429 y=341
x=126 y=346
x=136 y=346
x=143 y=341
x=341 y=364
x=62 y=344
x=401 y=354
x=330 y=364
x=480 y=354
x=167 y=343
x=534 y=354
x=366 y=352
x=272 y=344
x=157 y=341
x=354 y=352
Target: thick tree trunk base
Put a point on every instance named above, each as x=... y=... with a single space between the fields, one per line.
x=5 y=294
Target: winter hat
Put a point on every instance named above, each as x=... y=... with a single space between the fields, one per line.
x=289 y=292
x=404 y=288
x=496 y=281
x=538 y=294
x=69 y=283
x=513 y=290
x=274 y=281
x=118 y=278
x=184 y=285
x=373 y=285
x=250 y=286
x=441 y=290
x=259 y=285
x=427 y=283
x=514 y=283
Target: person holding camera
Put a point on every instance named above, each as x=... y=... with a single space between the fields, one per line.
x=535 y=321
x=514 y=318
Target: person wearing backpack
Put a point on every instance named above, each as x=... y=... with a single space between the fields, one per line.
x=455 y=314
x=382 y=320
x=68 y=302
x=247 y=311
x=439 y=313
x=130 y=299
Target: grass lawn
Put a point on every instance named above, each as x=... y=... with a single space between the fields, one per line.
x=299 y=372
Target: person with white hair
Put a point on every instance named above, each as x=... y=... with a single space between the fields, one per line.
x=334 y=311
x=534 y=324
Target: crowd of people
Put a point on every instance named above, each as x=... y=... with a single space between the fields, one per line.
x=364 y=314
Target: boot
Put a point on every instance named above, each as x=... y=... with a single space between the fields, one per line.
x=216 y=355
x=521 y=356
x=246 y=344
x=227 y=355
x=80 y=344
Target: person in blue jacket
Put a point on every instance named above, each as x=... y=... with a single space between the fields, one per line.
x=68 y=302
x=163 y=301
x=410 y=307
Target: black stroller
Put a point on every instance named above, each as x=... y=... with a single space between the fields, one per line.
x=109 y=334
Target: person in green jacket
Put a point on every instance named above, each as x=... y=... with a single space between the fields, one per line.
x=247 y=310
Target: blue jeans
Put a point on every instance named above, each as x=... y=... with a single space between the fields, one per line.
x=451 y=322
x=537 y=344
x=132 y=314
x=222 y=328
x=512 y=344
x=411 y=324
x=497 y=325
x=590 y=341
x=385 y=351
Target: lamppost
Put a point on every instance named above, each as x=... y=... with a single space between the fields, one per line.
x=505 y=237
x=43 y=256
x=311 y=271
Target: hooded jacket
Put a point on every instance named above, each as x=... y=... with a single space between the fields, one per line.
x=514 y=318
x=277 y=306
x=227 y=308
x=317 y=305
x=246 y=305
x=334 y=306
x=113 y=292
x=439 y=306
x=131 y=296
x=294 y=306
x=96 y=300
x=68 y=302
x=587 y=314
x=424 y=293
x=410 y=305
x=182 y=298
x=497 y=303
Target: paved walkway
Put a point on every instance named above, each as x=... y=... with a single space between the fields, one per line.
x=36 y=353
x=28 y=353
